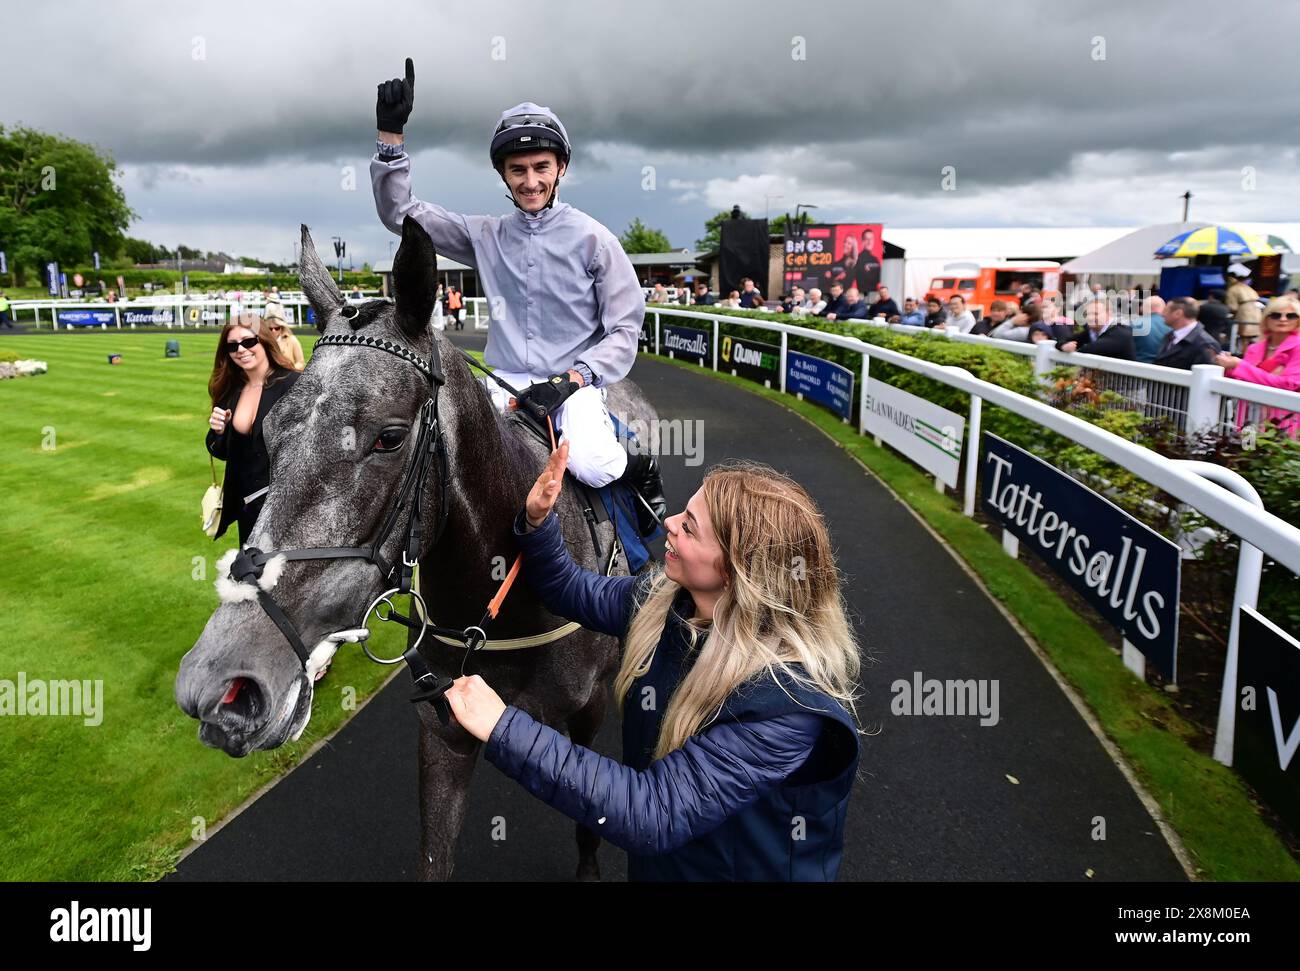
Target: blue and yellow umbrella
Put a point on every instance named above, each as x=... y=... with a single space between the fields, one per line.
x=1215 y=241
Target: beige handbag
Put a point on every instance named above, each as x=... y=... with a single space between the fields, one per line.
x=212 y=499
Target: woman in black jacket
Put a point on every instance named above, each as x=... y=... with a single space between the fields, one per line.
x=249 y=375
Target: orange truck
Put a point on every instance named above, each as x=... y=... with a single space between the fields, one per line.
x=999 y=281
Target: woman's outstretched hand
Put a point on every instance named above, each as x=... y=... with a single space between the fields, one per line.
x=475 y=706
x=541 y=498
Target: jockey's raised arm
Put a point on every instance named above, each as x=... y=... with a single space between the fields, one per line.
x=565 y=305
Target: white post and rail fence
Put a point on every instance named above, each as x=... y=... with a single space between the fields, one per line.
x=1221 y=495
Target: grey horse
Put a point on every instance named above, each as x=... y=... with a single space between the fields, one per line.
x=332 y=486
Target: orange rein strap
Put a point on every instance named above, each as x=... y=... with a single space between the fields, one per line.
x=495 y=604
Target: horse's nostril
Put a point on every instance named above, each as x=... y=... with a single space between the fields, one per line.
x=243 y=706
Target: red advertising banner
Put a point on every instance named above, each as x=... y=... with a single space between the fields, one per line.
x=826 y=253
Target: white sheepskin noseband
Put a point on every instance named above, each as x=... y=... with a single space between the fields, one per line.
x=234 y=591
x=322 y=653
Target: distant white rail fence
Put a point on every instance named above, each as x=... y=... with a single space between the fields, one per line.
x=1195 y=400
x=43 y=312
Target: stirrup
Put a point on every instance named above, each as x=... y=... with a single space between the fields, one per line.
x=646 y=479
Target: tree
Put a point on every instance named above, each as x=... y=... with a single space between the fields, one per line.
x=777 y=226
x=639 y=238
x=711 y=241
x=58 y=201
x=141 y=251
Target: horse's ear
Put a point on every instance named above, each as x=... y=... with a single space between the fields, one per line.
x=415 y=275
x=317 y=283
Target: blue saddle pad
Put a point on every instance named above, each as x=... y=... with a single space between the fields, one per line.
x=622 y=504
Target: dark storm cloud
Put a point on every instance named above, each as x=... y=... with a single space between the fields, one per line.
x=1010 y=92
x=885 y=95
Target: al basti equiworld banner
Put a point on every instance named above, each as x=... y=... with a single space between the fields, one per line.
x=826 y=253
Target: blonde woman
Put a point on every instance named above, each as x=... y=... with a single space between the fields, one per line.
x=1273 y=361
x=736 y=686
x=278 y=328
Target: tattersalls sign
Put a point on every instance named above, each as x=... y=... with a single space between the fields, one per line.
x=1125 y=570
x=686 y=342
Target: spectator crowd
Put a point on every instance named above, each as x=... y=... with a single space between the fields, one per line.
x=1179 y=333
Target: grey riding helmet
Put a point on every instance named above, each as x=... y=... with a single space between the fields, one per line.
x=529 y=128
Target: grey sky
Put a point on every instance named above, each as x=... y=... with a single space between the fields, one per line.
x=234 y=122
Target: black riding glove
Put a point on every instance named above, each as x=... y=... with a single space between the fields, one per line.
x=395 y=100
x=544 y=398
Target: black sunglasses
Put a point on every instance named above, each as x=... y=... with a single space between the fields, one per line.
x=1280 y=316
x=232 y=347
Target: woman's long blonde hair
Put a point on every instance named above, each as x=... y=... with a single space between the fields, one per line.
x=782 y=604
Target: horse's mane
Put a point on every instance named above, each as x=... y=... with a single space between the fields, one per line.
x=515 y=445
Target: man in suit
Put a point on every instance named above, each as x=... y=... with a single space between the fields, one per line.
x=1100 y=336
x=835 y=304
x=1214 y=317
x=853 y=307
x=1187 y=342
x=885 y=306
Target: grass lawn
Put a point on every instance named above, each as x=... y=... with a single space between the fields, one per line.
x=1205 y=802
x=106 y=574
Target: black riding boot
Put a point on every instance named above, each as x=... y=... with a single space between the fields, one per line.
x=643 y=475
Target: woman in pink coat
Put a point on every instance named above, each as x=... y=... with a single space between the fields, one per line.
x=1273 y=360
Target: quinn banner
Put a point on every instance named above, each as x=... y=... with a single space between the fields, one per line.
x=750 y=359
x=1127 y=572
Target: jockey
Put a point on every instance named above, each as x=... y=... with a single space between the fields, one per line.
x=566 y=306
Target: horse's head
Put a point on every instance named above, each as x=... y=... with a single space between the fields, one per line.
x=339 y=445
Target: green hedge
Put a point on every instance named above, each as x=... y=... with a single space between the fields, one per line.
x=1011 y=371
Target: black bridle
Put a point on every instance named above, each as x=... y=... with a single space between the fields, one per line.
x=249 y=563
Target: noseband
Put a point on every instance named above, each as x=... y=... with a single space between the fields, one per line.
x=249 y=563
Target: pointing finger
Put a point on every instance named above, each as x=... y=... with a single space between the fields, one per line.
x=410 y=74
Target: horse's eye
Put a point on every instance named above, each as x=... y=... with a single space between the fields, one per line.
x=389 y=440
